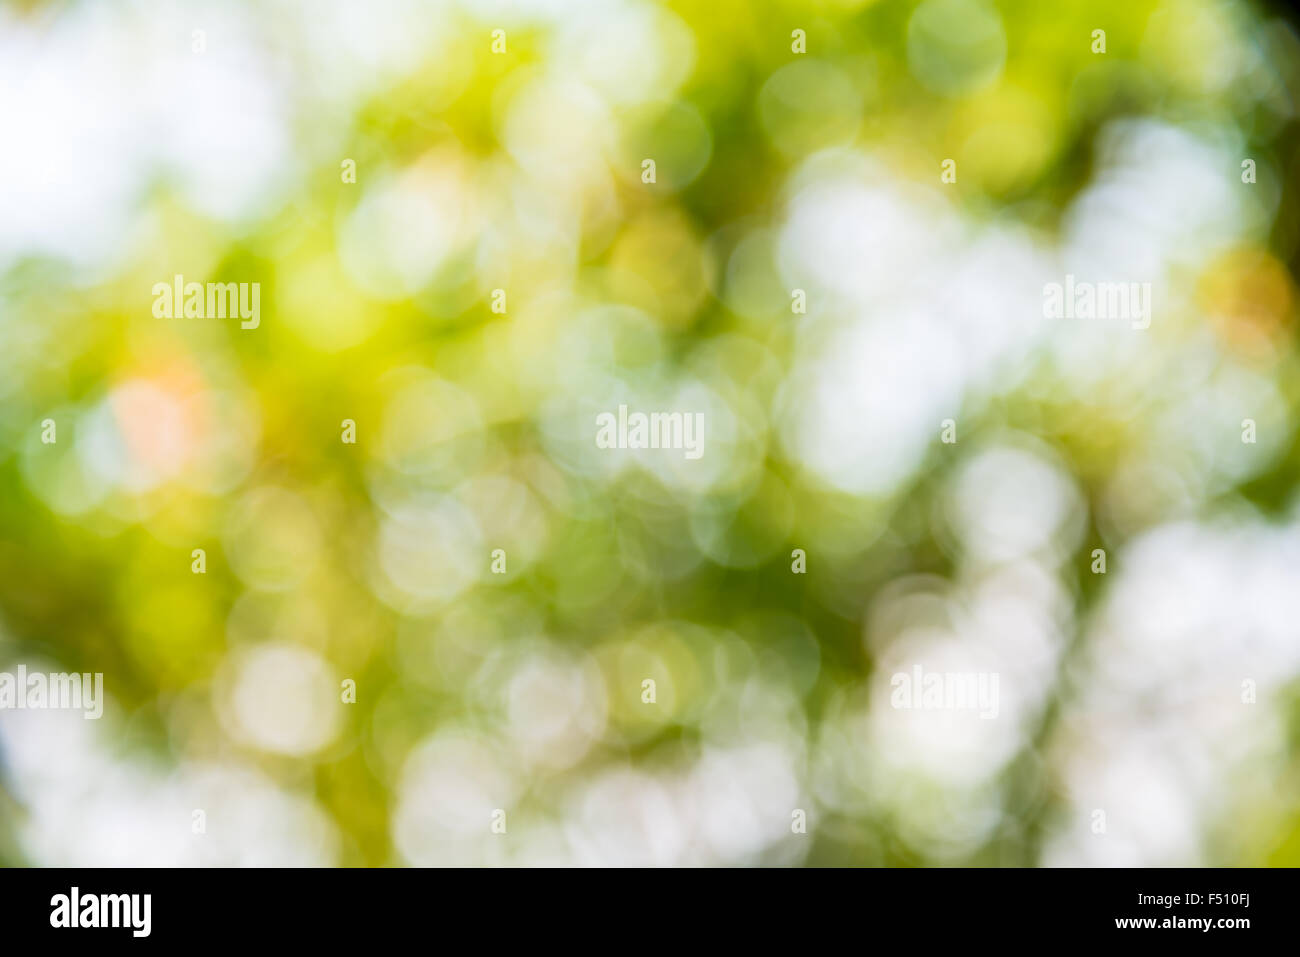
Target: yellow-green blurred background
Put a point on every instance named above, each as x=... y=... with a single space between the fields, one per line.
x=142 y=140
